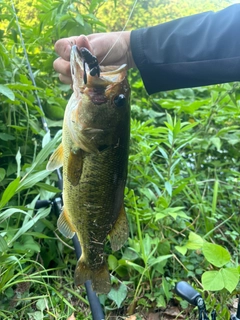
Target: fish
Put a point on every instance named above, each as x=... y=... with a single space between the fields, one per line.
x=94 y=156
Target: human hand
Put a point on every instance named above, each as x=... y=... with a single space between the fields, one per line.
x=99 y=44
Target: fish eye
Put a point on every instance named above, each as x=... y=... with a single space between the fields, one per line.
x=120 y=100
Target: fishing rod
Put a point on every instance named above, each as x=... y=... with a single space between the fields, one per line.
x=57 y=203
x=188 y=293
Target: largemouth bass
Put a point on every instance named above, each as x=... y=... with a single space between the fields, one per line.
x=94 y=156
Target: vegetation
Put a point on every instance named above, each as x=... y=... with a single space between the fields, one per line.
x=182 y=194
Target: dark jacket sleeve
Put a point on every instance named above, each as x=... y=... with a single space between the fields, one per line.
x=193 y=51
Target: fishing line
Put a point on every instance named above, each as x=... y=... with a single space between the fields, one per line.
x=129 y=17
x=31 y=75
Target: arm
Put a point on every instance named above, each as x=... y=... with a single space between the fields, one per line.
x=194 y=51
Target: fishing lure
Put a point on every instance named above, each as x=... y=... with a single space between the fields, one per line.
x=91 y=61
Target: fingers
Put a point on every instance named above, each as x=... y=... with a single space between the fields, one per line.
x=63 y=49
x=63 y=46
x=62 y=66
x=110 y=49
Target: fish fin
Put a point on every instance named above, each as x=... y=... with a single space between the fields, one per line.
x=65 y=226
x=56 y=159
x=86 y=140
x=74 y=166
x=100 y=277
x=120 y=231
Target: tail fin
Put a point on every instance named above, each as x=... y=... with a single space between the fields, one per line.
x=100 y=277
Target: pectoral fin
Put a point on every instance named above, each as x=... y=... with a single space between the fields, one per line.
x=74 y=167
x=56 y=159
x=65 y=226
x=119 y=232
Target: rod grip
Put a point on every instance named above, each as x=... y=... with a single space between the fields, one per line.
x=187 y=292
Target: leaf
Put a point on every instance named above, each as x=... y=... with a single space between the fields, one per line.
x=118 y=294
x=7 y=92
x=41 y=304
x=6 y=137
x=147 y=245
x=37 y=315
x=152 y=261
x=194 y=241
x=9 y=192
x=112 y=262
x=3 y=244
x=7 y=213
x=212 y=280
x=130 y=254
x=46 y=139
x=79 y=19
x=217 y=280
x=135 y=266
x=216 y=142
x=216 y=254
x=230 y=278
x=2 y=174
x=44 y=153
x=48 y=187
x=18 y=160
x=28 y=246
x=182 y=250
x=33 y=179
x=168 y=187
x=42 y=213
x=173 y=212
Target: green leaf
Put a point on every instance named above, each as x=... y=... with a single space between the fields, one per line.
x=32 y=179
x=152 y=261
x=118 y=294
x=27 y=244
x=9 y=192
x=7 y=92
x=3 y=244
x=44 y=153
x=2 y=174
x=18 y=160
x=173 y=212
x=46 y=139
x=161 y=303
x=37 y=315
x=6 y=137
x=9 y=212
x=216 y=254
x=168 y=187
x=230 y=278
x=112 y=262
x=48 y=187
x=194 y=241
x=217 y=280
x=182 y=250
x=212 y=280
x=42 y=213
x=79 y=19
x=130 y=254
x=135 y=266
x=147 y=245
x=216 y=142
x=41 y=304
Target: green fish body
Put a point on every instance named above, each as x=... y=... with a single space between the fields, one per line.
x=94 y=156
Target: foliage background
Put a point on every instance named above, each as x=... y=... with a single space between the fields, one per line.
x=183 y=187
